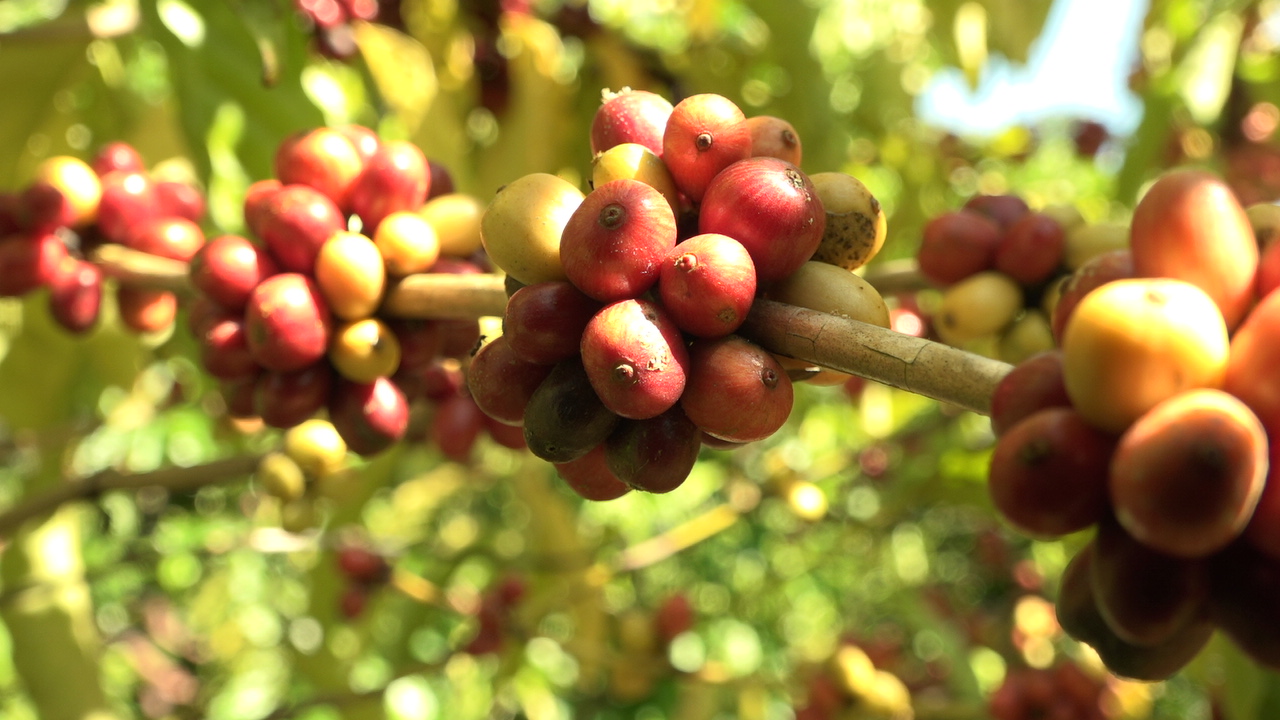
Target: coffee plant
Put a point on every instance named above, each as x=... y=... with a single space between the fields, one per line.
x=400 y=359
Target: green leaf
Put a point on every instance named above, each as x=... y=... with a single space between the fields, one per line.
x=33 y=123
x=216 y=63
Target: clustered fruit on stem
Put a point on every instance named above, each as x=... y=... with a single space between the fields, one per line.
x=619 y=356
x=50 y=228
x=1002 y=266
x=1155 y=426
x=289 y=318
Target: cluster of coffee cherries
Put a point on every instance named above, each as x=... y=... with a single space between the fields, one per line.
x=289 y=322
x=331 y=21
x=850 y=685
x=619 y=356
x=999 y=266
x=49 y=229
x=311 y=463
x=1154 y=426
x=1062 y=692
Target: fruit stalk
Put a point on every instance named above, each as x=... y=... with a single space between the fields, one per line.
x=909 y=363
x=172 y=478
x=905 y=362
x=442 y=295
x=133 y=267
x=896 y=276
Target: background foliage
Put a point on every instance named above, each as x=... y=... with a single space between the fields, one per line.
x=198 y=605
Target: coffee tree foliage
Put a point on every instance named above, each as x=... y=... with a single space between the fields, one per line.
x=177 y=603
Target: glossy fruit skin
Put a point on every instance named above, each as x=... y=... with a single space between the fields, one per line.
x=544 y=321
x=316 y=446
x=224 y=349
x=1078 y=614
x=636 y=162
x=456 y=426
x=501 y=382
x=255 y=204
x=323 y=158
x=1263 y=530
x=731 y=373
x=280 y=477
x=117 y=155
x=370 y=417
x=42 y=208
x=1048 y=473
x=78 y=184
x=408 y=243
x=350 y=273
x=655 y=454
x=288 y=323
x=238 y=396
x=285 y=399
x=1004 y=209
x=171 y=237
x=956 y=245
x=1244 y=594
x=774 y=137
x=630 y=116
x=441 y=179
x=522 y=226
x=704 y=135
x=1102 y=269
x=394 y=178
x=590 y=477
x=364 y=350
x=1189 y=226
x=179 y=199
x=1253 y=370
x=508 y=436
x=1269 y=270
x=455 y=218
x=1143 y=595
x=75 y=295
x=707 y=284
x=228 y=268
x=128 y=199
x=613 y=245
x=362 y=138
x=635 y=358
x=28 y=262
x=772 y=208
x=564 y=418
x=1031 y=250
x=1187 y=475
x=144 y=310
x=1029 y=334
x=1132 y=343
x=1032 y=385
x=419 y=340
x=981 y=305
x=296 y=222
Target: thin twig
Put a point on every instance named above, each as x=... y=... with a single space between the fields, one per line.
x=681 y=537
x=180 y=479
x=909 y=363
x=896 y=276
